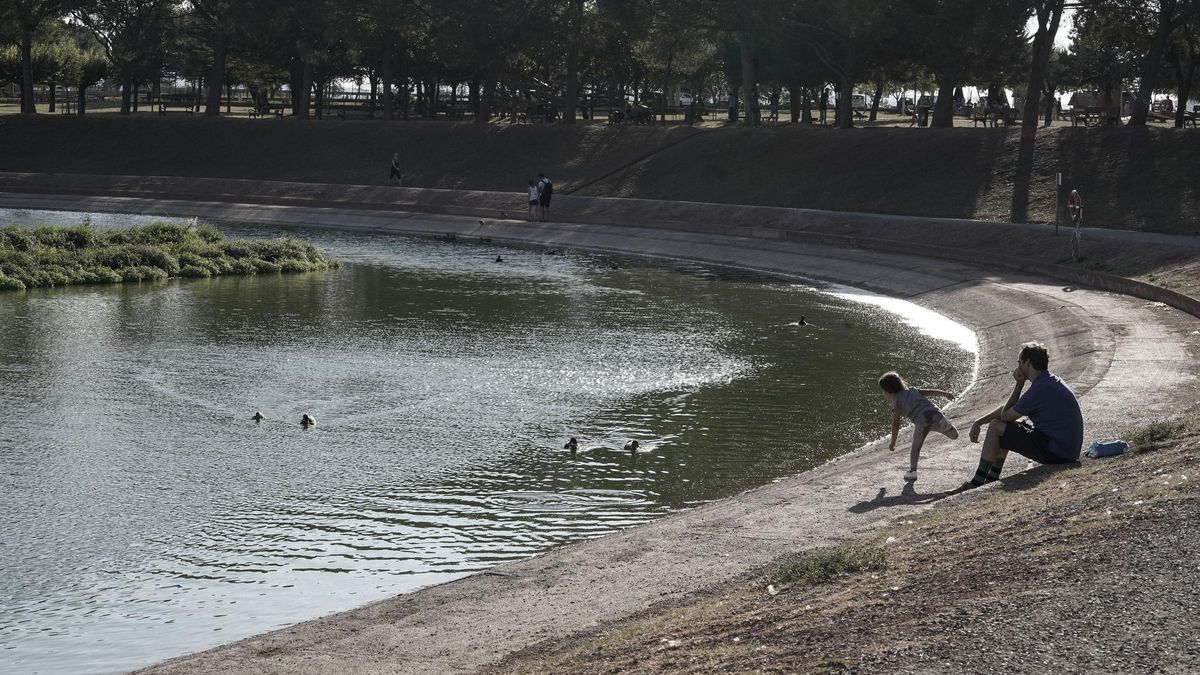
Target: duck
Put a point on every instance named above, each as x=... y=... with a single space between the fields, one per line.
x=499 y=259
x=308 y=420
x=572 y=445
x=481 y=223
x=802 y=321
x=258 y=417
x=631 y=446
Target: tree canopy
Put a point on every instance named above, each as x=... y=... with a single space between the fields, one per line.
x=510 y=56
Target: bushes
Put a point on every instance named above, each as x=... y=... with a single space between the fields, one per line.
x=58 y=256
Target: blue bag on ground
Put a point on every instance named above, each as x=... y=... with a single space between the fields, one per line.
x=1106 y=448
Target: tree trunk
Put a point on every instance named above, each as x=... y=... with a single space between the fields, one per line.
x=28 y=105
x=749 y=93
x=296 y=84
x=306 y=84
x=576 y=30
x=484 y=115
x=1151 y=64
x=1183 y=92
x=82 y=97
x=126 y=88
x=53 y=96
x=1050 y=99
x=875 y=100
x=389 y=111
x=1048 y=15
x=845 y=111
x=473 y=93
x=805 y=107
x=216 y=77
x=943 y=110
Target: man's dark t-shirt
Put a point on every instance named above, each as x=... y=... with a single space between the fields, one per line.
x=1054 y=410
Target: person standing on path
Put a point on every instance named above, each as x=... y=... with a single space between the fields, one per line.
x=824 y=104
x=395 y=173
x=533 y=199
x=1056 y=435
x=545 y=191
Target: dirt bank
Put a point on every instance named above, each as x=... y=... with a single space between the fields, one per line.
x=1079 y=570
x=1130 y=178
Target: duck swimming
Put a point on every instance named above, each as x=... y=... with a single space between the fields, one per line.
x=572 y=445
x=308 y=420
x=258 y=417
x=499 y=259
x=631 y=446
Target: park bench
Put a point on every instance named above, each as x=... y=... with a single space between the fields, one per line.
x=1093 y=116
x=185 y=104
x=271 y=109
x=1191 y=117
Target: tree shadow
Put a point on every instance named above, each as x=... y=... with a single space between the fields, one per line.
x=1023 y=176
x=908 y=495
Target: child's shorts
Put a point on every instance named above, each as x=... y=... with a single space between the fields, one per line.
x=936 y=421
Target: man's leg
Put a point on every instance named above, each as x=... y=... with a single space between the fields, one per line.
x=991 y=458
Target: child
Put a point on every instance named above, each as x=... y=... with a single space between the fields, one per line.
x=533 y=199
x=911 y=403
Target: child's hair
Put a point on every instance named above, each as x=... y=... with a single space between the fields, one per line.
x=892 y=383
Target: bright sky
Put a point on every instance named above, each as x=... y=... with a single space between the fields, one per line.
x=1063 y=39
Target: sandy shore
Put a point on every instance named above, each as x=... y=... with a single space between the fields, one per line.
x=1111 y=348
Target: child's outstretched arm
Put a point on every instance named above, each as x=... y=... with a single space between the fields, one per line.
x=895 y=428
x=937 y=392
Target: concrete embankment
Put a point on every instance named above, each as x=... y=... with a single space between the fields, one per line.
x=1131 y=178
x=1111 y=348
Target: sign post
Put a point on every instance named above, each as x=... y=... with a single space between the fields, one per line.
x=1057 y=196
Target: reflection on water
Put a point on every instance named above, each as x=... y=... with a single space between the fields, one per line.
x=144 y=514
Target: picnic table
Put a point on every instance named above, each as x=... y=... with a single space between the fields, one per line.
x=994 y=116
x=1094 y=116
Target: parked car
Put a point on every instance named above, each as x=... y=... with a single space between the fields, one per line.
x=685 y=99
x=859 y=102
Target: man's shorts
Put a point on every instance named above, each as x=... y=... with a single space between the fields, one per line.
x=1026 y=441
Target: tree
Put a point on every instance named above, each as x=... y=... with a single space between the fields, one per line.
x=1048 y=14
x=27 y=16
x=131 y=33
x=1183 y=55
x=1169 y=16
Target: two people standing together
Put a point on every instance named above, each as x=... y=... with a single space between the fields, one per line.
x=539 y=197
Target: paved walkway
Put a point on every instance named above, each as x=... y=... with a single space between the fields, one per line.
x=1112 y=349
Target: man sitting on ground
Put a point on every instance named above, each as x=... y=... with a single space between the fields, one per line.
x=1056 y=436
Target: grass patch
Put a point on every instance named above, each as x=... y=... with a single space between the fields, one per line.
x=829 y=564
x=60 y=256
x=1153 y=436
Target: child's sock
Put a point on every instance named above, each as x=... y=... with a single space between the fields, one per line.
x=994 y=472
x=981 y=474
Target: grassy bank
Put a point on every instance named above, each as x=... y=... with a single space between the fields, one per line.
x=61 y=256
x=1130 y=178
x=1085 y=569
